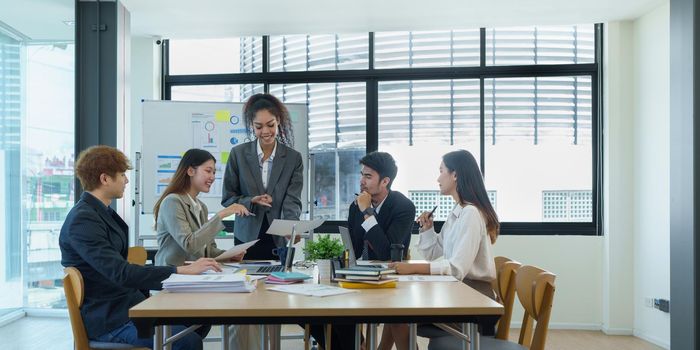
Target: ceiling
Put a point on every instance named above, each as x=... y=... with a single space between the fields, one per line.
x=43 y=19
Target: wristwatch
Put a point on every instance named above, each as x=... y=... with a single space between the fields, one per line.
x=369 y=211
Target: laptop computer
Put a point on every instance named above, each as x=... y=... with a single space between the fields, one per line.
x=347 y=242
x=284 y=266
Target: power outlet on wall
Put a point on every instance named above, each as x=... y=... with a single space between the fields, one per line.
x=663 y=305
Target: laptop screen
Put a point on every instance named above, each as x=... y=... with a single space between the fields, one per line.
x=347 y=242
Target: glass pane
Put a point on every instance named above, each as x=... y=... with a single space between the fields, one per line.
x=540 y=45
x=48 y=181
x=215 y=56
x=318 y=52
x=426 y=49
x=216 y=93
x=540 y=128
x=337 y=115
x=419 y=121
x=11 y=247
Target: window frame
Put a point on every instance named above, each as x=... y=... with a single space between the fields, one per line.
x=371 y=77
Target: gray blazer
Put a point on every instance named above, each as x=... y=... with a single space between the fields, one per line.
x=180 y=237
x=243 y=181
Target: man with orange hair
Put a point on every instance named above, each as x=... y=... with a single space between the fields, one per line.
x=95 y=240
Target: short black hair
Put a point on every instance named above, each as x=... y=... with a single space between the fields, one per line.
x=383 y=163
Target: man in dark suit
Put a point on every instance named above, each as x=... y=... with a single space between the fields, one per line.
x=378 y=218
x=95 y=240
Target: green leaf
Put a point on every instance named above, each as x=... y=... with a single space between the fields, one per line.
x=323 y=248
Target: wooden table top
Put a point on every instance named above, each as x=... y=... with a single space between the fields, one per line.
x=408 y=299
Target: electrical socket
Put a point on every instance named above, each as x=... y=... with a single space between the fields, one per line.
x=649 y=302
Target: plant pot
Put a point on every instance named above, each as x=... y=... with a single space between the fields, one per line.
x=324 y=270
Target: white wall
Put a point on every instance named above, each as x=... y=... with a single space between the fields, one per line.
x=145 y=85
x=651 y=140
x=617 y=181
x=636 y=246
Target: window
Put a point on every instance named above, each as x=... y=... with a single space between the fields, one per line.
x=219 y=93
x=318 y=52
x=524 y=101
x=336 y=140
x=215 y=56
x=36 y=158
x=48 y=167
x=539 y=128
x=427 y=49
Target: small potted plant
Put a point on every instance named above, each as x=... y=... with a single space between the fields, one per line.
x=323 y=250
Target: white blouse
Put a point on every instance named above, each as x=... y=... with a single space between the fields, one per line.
x=463 y=244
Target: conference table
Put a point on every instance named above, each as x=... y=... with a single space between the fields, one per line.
x=410 y=303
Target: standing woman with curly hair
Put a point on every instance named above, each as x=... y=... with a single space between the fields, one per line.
x=264 y=175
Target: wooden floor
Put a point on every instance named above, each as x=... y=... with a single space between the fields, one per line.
x=32 y=333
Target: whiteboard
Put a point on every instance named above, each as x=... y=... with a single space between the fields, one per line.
x=170 y=128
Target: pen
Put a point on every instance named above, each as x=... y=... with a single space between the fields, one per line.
x=432 y=211
x=430 y=214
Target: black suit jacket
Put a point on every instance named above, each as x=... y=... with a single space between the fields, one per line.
x=94 y=239
x=394 y=223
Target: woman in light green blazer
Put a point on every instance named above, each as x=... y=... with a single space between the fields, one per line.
x=184 y=230
x=186 y=233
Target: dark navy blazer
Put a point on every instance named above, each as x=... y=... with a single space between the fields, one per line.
x=394 y=224
x=94 y=239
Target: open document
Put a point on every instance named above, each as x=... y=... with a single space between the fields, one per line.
x=310 y=289
x=228 y=283
x=235 y=250
x=280 y=227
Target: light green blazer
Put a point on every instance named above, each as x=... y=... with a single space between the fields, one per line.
x=180 y=237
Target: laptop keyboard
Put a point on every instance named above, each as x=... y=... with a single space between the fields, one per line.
x=270 y=269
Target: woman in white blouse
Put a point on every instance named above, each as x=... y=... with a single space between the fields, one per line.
x=463 y=247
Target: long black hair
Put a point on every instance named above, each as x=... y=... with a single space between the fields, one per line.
x=273 y=105
x=180 y=182
x=471 y=189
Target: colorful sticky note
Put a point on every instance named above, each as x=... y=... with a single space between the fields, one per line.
x=224 y=157
x=222 y=116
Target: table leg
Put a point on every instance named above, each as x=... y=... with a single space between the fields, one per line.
x=372 y=336
x=358 y=336
x=473 y=332
x=263 y=338
x=328 y=329
x=465 y=330
x=275 y=336
x=167 y=332
x=225 y=335
x=412 y=336
x=307 y=335
x=158 y=338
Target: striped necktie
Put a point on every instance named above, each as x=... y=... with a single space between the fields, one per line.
x=365 y=251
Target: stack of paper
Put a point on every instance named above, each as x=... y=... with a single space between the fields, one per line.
x=229 y=283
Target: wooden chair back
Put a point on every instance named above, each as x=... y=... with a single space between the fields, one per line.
x=73 y=288
x=505 y=290
x=535 y=290
x=137 y=255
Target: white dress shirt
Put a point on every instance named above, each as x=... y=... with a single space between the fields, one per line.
x=463 y=246
x=266 y=166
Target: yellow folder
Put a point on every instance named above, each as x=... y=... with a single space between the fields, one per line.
x=360 y=285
